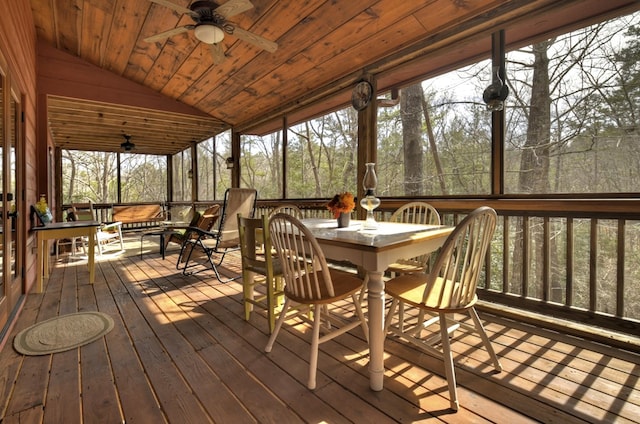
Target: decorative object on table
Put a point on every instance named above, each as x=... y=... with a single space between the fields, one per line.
x=42 y=210
x=344 y=219
x=369 y=202
x=341 y=207
x=62 y=333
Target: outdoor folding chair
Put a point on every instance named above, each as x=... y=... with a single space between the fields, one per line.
x=220 y=241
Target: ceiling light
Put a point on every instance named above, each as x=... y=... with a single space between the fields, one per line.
x=209 y=34
x=127 y=146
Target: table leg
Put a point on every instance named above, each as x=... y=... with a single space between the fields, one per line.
x=375 y=296
x=40 y=256
x=162 y=244
x=92 y=265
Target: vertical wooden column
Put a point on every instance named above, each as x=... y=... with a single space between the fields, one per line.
x=194 y=172
x=367 y=141
x=498 y=117
x=235 y=154
x=58 y=184
x=285 y=143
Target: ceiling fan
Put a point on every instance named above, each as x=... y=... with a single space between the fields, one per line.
x=127 y=145
x=211 y=25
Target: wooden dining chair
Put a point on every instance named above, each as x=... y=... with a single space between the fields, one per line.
x=410 y=213
x=311 y=285
x=413 y=213
x=447 y=291
x=288 y=208
x=108 y=233
x=257 y=258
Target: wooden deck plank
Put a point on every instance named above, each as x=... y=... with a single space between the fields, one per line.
x=176 y=398
x=262 y=404
x=163 y=316
x=99 y=394
x=137 y=399
x=181 y=352
x=64 y=387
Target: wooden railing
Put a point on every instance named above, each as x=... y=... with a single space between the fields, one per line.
x=563 y=259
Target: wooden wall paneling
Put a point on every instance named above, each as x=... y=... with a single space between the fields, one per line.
x=17 y=44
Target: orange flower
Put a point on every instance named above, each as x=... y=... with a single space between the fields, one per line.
x=341 y=203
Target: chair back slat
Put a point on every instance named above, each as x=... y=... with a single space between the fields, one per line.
x=304 y=265
x=457 y=269
x=287 y=208
x=416 y=213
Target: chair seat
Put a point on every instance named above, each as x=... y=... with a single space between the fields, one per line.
x=410 y=288
x=344 y=284
x=258 y=266
x=406 y=266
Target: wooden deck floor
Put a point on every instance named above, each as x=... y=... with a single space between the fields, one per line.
x=181 y=352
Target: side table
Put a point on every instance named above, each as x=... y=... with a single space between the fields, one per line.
x=160 y=233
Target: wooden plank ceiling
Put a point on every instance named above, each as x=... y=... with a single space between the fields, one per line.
x=323 y=47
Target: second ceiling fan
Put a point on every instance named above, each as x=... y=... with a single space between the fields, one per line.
x=211 y=25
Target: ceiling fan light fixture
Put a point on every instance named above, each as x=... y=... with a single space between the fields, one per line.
x=127 y=146
x=209 y=34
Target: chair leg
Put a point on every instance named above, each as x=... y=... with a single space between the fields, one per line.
x=360 y=315
x=120 y=238
x=315 y=341
x=271 y=301
x=247 y=293
x=485 y=339
x=276 y=330
x=365 y=282
x=389 y=318
x=448 y=363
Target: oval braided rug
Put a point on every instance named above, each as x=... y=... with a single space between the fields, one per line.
x=62 y=333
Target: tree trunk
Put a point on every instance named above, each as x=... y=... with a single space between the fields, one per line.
x=534 y=165
x=433 y=146
x=411 y=115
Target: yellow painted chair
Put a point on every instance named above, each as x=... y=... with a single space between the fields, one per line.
x=257 y=260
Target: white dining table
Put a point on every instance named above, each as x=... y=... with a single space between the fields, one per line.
x=374 y=250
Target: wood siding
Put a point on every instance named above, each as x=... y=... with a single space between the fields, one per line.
x=18 y=46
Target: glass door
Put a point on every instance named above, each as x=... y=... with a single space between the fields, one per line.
x=11 y=222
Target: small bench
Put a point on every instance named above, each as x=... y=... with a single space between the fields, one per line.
x=138 y=216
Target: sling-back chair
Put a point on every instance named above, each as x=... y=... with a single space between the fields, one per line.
x=220 y=241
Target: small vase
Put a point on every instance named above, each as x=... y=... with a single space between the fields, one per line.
x=343 y=220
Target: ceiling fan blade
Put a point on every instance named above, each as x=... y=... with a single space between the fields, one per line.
x=217 y=53
x=175 y=7
x=233 y=7
x=252 y=38
x=167 y=34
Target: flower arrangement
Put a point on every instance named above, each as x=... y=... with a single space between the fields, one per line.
x=341 y=203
